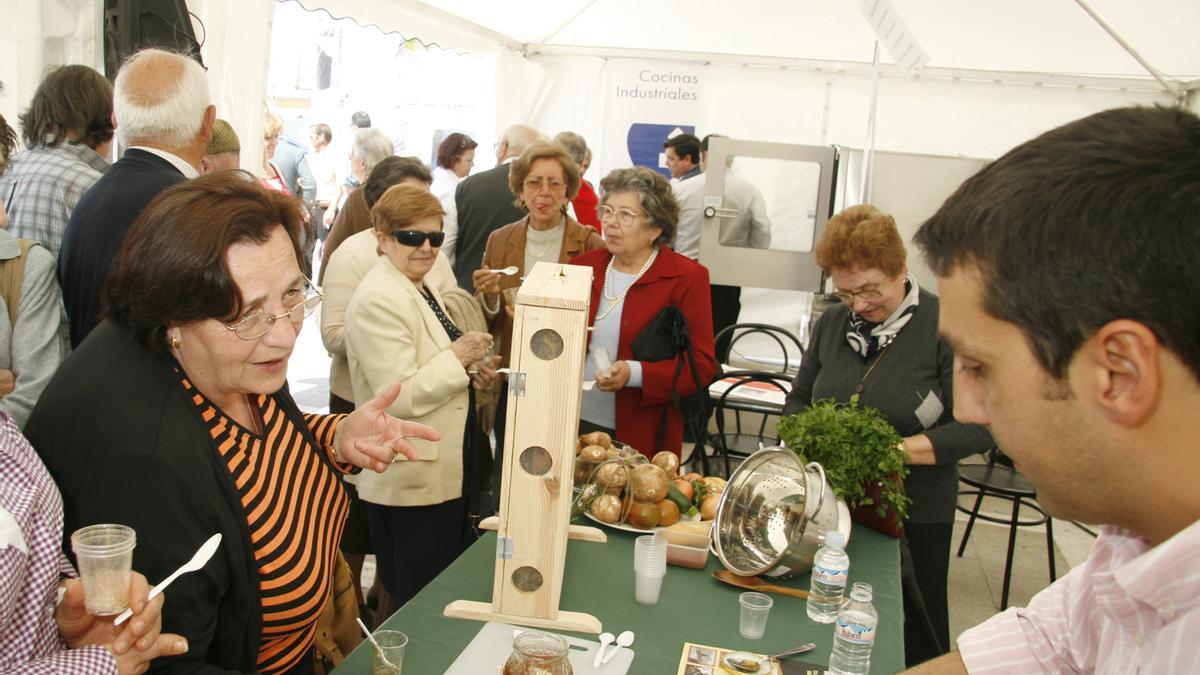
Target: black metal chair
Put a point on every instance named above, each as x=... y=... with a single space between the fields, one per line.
x=742 y=442
x=998 y=478
x=740 y=331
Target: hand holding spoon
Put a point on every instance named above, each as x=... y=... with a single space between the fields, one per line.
x=197 y=562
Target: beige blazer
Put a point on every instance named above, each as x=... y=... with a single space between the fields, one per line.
x=393 y=336
x=344 y=270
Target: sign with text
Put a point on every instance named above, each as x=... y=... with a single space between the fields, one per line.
x=647 y=102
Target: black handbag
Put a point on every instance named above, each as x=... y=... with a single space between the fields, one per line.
x=667 y=337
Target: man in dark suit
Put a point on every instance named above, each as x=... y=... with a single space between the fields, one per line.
x=164 y=148
x=484 y=204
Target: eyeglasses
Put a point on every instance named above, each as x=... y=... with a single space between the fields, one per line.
x=537 y=184
x=870 y=295
x=257 y=325
x=624 y=217
x=415 y=238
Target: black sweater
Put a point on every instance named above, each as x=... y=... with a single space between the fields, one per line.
x=916 y=365
x=125 y=445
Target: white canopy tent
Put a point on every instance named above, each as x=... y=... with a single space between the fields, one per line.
x=787 y=70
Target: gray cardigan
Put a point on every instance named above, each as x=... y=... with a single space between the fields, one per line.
x=917 y=368
x=34 y=347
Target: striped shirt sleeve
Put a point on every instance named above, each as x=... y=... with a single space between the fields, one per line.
x=323 y=429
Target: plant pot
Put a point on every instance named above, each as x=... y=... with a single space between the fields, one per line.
x=868 y=514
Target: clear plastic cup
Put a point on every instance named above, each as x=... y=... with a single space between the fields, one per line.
x=756 y=607
x=510 y=295
x=104 y=554
x=650 y=554
x=389 y=657
x=646 y=587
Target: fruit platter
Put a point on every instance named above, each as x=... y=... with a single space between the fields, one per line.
x=620 y=488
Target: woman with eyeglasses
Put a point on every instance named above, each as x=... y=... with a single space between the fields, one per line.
x=174 y=418
x=635 y=277
x=545 y=179
x=398 y=330
x=882 y=344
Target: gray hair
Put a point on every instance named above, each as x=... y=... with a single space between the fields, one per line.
x=519 y=137
x=161 y=97
x=574 y=144
x=372 y=146
x=654 y=193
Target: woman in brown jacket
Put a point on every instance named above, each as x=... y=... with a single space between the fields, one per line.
x=545 y=180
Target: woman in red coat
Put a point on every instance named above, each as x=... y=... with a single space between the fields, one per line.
x=635 y=277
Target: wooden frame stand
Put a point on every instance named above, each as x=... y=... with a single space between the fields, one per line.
x=547 y=355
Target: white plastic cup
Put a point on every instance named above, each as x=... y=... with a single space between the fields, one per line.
x=646 y=587
x=602 y=360
x=104 y=554
x=392 y=644
x=650 y=555
x=756 y=607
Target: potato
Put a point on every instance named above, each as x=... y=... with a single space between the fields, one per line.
x=708 y=509
x=667 y=461
x=649 y=483
x=607 y=508
x=612 y=475
x=593 y=453
x=597 y=438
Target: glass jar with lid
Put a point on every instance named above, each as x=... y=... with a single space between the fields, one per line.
x=537 y=653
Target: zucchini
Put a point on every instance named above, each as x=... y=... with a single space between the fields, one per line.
x=679 y=498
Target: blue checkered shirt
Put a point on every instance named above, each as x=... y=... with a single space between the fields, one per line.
x=41 y=187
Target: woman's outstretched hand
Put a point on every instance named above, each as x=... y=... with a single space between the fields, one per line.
x=372 y=439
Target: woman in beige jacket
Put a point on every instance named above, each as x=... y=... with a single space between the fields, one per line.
x=397 y=329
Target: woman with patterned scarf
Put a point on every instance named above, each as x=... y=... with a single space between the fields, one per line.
x=882 y=344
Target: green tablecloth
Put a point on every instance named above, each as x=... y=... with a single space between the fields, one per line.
x=693 y=607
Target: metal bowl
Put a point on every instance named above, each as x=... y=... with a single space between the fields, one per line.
x=773 y=513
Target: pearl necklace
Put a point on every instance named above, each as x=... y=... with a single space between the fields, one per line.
x=614 y=300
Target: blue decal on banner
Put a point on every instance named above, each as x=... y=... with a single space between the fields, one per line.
x=645 y=143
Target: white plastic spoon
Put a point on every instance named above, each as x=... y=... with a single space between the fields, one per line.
x=605 y=640
x=509 y=271
x=198 y=561
x=623 y=640
x=378 y=650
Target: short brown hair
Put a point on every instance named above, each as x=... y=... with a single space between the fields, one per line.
x=519 y=171
x=452 y=148
x=401 y=206
x=71 y=100
x=172 y=267
x=654 y=193
x=864 y=237
x=390 y=172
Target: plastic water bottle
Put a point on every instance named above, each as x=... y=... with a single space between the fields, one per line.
x=831 y=566
x=854 y=633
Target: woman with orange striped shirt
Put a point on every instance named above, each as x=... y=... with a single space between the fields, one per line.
x=174 y=418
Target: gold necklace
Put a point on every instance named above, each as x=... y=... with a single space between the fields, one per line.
x=862 y=384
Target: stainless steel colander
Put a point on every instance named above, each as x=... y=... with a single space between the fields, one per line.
x=773 y=513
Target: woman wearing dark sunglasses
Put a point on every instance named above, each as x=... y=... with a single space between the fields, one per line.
x=397 y=330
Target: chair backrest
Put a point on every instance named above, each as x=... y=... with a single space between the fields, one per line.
x=781 y=337
x=746 y=379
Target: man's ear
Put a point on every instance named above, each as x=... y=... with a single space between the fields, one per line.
x=1123 y=356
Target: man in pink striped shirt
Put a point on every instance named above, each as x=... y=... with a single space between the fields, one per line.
x=1070 y=294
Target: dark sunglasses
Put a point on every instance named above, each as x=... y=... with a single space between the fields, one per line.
x=415 y=238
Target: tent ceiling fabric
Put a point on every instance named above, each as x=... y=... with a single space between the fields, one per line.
x=1031 y=36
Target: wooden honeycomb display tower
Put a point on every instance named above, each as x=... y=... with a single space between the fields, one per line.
x=549 y=339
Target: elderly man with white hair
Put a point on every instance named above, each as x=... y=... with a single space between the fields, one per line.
x=371 y=146
x=161 y=104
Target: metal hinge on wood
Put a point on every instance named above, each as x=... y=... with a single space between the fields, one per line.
x=504 y=548
x=516 y=384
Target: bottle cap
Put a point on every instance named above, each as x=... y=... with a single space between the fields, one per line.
x=834 y=538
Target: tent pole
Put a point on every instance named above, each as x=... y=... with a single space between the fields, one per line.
x=560 y=27
x=868 y=165
x=1171 y=86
